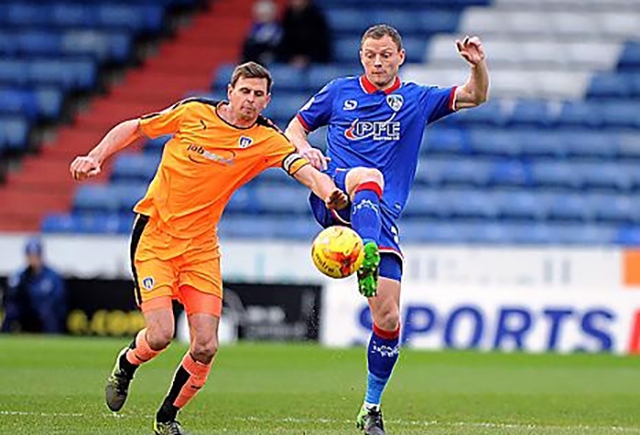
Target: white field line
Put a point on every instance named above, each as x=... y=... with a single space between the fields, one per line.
x=312 y=421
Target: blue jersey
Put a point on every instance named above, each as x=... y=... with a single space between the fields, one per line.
x=377 y=129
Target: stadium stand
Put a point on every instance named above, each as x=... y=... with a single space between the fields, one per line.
x=552 y=158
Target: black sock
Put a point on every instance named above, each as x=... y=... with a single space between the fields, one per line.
x=126 y=366
x=167 y=412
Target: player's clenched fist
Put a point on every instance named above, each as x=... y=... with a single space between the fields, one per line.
x=84 y=167
x=337 y=200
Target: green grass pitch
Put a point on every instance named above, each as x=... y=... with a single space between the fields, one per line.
x=55 y=386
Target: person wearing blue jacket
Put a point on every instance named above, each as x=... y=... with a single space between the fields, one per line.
x=36 y=297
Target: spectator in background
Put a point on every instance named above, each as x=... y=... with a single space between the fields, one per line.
x=36 y=297
x=306 y=37
x=265 y=35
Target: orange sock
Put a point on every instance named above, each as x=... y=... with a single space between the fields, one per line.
x=142 y=352
x=189 y=379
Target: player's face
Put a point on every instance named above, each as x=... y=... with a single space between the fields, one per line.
x=381 y=60
x=248 y=98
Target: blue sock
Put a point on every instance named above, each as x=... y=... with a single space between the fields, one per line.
x=365 y=212
x=382 y=355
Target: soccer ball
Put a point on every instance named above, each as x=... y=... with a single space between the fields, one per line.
x=337 y=251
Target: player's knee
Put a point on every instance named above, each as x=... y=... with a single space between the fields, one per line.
x=359 y=176
x=388 y=319
x=160 y=338
x=203 y=351
x=371 y=175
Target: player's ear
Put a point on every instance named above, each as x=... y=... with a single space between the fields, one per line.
x=403 y=56
x=267 y=100
x=229 y=89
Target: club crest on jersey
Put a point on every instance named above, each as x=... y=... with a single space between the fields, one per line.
x=148 y=283
x=245 y=142
x=350 y=105
x=395 y=102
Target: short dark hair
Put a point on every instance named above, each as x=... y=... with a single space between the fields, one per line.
x=251 y=70
x=380 y=30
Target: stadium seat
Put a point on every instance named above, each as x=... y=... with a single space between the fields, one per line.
x=630 y=57
x=534 y=113
x=96 y=198
x=135 y=167
x=610 y=85
x=501 y=143
x=445 y=140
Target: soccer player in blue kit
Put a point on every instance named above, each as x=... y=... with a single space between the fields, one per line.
x=375 y=127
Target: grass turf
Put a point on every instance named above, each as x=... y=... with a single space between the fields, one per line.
x=55 y=386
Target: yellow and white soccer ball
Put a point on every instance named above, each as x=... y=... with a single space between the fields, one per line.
x=337 y=251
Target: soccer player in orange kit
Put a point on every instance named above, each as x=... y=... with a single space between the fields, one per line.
x=216 y=148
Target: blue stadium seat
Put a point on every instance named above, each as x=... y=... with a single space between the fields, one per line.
x=346 y=22
x=495 y=142
x=96 y=198
x=34 y=43
x=446 y=140
x=511 y=173
x=489 y=114
x=584 y=143
x=434 y=171
x=538 y=143
x=288 y=79
x=595 y=175
x=156 y=146
x=520 y=204
x=74 y=15
x=630 y=58
x=242 y=201
x=274 y=176
x=614 y=208
x=275 y=199
x=345 y=51
x=620 y=114
x=628 y=235
x=534 y=113
x=88 y=223
x=320 y=75
x=470 y=204
x=103 y=45
x=426 y=203
x=136 y=18
x=128 y=194
x=13 y=72
x=70 y=74
x=569 y=207
x=549 y=173
x=222 y=77
x=579 y=114
x=438 y=21
x=14 y=131
x=284 y=107
x=18 y=102
x=610 y=85
x=135 y=167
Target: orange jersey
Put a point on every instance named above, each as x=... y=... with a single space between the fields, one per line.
x=204 y=163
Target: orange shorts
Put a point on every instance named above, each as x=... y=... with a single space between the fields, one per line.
x=165 y=268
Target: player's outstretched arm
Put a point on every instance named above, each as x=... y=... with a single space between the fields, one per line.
x=476 y=90
x=297 y=134
x=323 y=186
x=119 y=137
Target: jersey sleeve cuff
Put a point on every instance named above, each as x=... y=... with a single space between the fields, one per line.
x=452 y=99
x=303 y=122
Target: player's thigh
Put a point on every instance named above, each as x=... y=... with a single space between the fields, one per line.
x=200 y=282
x=153 y=279
x=385 y=306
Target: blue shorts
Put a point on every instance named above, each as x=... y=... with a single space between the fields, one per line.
x=390 y=254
